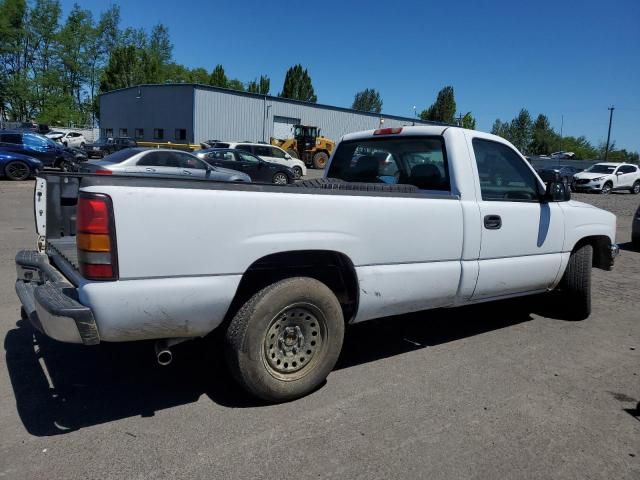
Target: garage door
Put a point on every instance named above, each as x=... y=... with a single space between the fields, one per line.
x=283 y=126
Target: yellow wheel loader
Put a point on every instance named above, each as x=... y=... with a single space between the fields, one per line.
x=307 y=145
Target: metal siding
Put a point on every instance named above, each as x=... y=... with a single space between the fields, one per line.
x=157 y=107
x=228 y=116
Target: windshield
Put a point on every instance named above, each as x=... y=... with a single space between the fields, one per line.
x=120 y=155
x=601 y=169
x=419 y=161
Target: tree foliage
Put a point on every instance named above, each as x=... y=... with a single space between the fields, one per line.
x=218 y=77
x=468 y=121
x=368 y=100
x=261 y=86
x=297 y=85
x=443 y=109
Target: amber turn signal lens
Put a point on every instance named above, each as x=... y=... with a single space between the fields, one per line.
x=93 y=242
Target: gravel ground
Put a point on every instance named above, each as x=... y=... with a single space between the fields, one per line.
x=502 y=390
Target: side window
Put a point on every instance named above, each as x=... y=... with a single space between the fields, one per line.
x=34 y=141
x=276 y=152
x=14 y=138
x=139 y=132
x=108 y=132
x=189 y=161
x=246 y=148
x=154 y=159
x=628 y=169
x=504 y=176
x=158 y=133
x=124 y=132
x=247 y=158
x=262 y=151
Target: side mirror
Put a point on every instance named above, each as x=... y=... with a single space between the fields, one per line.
x=618 y=173
x=287 y=156
x=557 y=192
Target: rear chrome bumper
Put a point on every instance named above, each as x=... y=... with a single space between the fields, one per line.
x=614 y=250
x=50 y=301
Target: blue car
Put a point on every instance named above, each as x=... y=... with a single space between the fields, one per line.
x=50 y=153
x=16 y=166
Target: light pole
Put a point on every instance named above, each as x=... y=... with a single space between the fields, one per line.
x=606 y=150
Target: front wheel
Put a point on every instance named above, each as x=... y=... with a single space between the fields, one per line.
x=280 y=179
x=320 y=160
x=606 y=188
x=297 y=171
x=635 y=189
x=285 y=340
x=575 y=286
x=17 y=170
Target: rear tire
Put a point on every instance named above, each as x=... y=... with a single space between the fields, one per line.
x=285 y=340
x=635 y=189
x=575 y=286
x=17 y=171
x=320 y=160
x=293 y=153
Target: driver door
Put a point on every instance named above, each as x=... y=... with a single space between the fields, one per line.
x=521 y=237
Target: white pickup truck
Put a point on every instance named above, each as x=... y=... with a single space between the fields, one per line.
x=406 y=219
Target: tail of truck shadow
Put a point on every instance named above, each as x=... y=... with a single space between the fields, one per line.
x=61 y=388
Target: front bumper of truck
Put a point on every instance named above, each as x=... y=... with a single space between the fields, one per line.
x=50 y=302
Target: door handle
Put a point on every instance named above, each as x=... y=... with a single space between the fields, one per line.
x=150 y=169
x=186 y=172
x=492 y=222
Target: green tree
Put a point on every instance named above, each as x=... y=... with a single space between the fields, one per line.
x=468 y=121
x=368 y=100
x=14 y=60
x=261 y=86
x=218 y=78
x=581 y=147
x=297 y=85
x=521 y=130
x=544 y=139
x=235 y=84
x=502 y=129
x=443 y=109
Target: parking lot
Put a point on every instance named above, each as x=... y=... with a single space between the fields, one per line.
x=492 y=391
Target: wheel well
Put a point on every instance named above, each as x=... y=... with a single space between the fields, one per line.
x=601 y=252
x=334 y=269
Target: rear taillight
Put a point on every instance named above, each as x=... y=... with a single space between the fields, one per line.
x=96 y=237
x=387 y=131
x=103 y=171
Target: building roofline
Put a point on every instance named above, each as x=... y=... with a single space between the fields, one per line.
x=278 y=99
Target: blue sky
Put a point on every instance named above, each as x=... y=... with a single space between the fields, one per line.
x=561 y=58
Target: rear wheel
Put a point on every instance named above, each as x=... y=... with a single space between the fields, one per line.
x=635 y=189
x=320 y=160
x=606 y=188
x=285 y=340
x=293 y=153
x=280 y=179
x=575 y=286
x=17 y=170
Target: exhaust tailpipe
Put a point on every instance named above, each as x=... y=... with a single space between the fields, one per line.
x=163 y=353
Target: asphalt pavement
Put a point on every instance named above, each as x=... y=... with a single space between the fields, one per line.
x=494 y=391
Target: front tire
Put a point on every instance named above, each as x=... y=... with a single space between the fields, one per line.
x=280 y=179
x=320 y=160
x=606 y=188
x=17 y=171
x=635 y=189
x=575 y=286
x=297 y=171
x=285 y=340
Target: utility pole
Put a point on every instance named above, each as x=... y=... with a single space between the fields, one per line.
x=606 y=151
x=561 y=128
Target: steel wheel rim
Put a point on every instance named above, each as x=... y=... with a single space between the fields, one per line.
x=295 y=341
x=280 y=179
x=17 y=170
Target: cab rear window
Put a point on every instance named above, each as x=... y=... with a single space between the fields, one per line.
x=418 y=161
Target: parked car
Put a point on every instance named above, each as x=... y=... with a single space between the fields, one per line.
x=561 y=155
x=608 y=177
x=266 y=152
x=105 y=146
x=565 y=172
x=258 y=169
x=50 y=153
x=16 y=166
x=189 y=257
x=68 y=139
x=161 y=162
x=635 y=229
